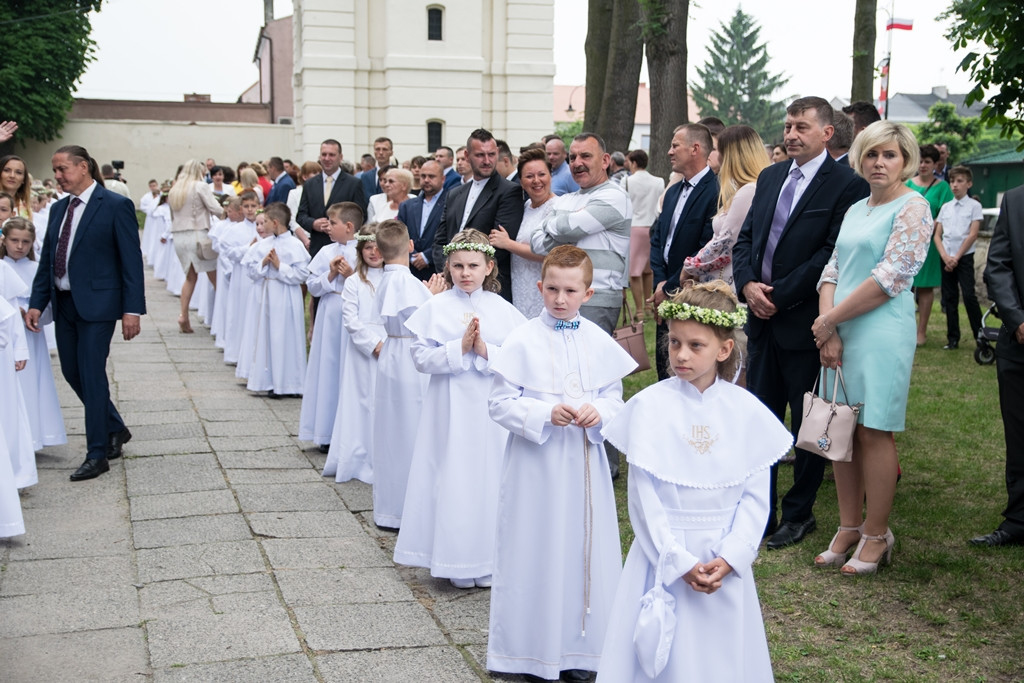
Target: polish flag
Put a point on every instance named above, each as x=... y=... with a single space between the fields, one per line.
x=900 y=24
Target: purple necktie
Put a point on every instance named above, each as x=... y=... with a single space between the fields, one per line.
x=60 y=266
x=782 y=211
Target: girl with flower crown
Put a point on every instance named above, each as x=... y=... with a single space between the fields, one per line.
x=450 y=513
x=698 y=503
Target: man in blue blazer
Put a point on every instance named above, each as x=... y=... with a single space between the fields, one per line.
x=382 y=149
x=422 y=215
x=684 y=225
x=90 y=271
x=784 y=244
x=283 y=183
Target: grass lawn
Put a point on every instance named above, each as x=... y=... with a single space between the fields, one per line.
x=943 y=611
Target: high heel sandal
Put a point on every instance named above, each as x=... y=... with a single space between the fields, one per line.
x=856 y=567
x=184 y=325
x=830 y=558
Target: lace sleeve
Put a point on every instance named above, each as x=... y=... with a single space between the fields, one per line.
x=830 y=274
x=906 y=249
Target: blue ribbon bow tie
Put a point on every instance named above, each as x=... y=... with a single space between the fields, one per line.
x=566 y=325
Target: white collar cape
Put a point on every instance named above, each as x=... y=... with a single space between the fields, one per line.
x=445 y=316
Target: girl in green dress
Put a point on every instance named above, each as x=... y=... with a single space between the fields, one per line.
x=937 y=192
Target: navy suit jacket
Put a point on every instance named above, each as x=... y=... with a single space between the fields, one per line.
x=691 y=233
x=104 y=263
x=451 y=179
x=804 y=247
x=279 y=192
x=312 y=205
x=410 y=212
x=371 y=183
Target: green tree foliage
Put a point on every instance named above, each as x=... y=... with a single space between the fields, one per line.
x=46 y=49
x=993 y=31
x=735 y=84
x=945 y=125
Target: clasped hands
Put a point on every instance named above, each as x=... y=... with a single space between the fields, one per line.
x=707 y=578
x=472 y=340
x=759 y=299
x=830 y=346
x=339 y=266
x=563 y=415
x=272 y=259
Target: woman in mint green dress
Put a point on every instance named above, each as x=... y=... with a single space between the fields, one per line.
x=866 y=323
x=937 y=192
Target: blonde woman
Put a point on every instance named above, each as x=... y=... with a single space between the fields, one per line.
x=250 y=181
x=743 y=158
x=192 y=205
x=395 y=185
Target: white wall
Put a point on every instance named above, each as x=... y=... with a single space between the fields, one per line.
x=153 y=149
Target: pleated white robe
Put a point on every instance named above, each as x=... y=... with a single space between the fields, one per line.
x=14 y=422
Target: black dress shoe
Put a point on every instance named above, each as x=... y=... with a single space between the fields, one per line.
x=790 y=533
x=951 y=346
x=90 y=469
x=117 y=441
x=576 y=675
x=324 y=448
x=997 y=538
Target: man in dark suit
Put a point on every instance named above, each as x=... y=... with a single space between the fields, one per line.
x=446 y=157
x=842 y=138
x=785 y=242
x=382 y=149
x=422 y=215
x=1004 y=276
x=684 y=225
x=90 y=272
x=484 y=203
x=333 y=184
x=283 y=183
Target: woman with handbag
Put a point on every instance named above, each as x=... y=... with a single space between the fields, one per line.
x=192 y=205
x=867 y=324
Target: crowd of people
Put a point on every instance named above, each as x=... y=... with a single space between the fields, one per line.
x=462 y=360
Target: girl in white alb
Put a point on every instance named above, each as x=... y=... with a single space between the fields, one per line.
x=11 y=521
x=451 y=501
x=700 y=451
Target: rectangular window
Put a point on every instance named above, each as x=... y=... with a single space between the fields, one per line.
x=434 y=135
x=434 y=28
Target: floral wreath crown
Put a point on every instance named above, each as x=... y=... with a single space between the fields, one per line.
x=366 y=238
x=708 y=316
x=469 y=246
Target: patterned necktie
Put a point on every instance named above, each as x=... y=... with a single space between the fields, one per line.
x=60 y=266
x=782 y=210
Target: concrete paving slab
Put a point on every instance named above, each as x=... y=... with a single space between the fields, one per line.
x=341 y=586
x=289 y=668
x=287 y=497
x=86 y=532
x=159 y=533
x=167 y=447
x=358 y=496
x=324 y=553
x=138 y=419
x=284 y=457
x=31 y=577
x=170 y=429
x=251 y=443
x=362 y=627
x=320 y=524
x=174 y=474
x=397 y=666
x=151 y=405
x=84 y=610
x=251 y=427
x=279 y=476
x=168 y=598
x=251 y=413
x=183 y=504
x=55 y=491
x=203 y=559
x=116 y=655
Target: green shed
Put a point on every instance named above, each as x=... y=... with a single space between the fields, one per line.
x=994 y=174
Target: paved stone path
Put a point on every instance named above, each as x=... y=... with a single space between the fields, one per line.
x=214 y=550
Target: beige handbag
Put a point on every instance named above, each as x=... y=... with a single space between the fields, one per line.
x=631 y=337
x=204 y=248
x=828 y=425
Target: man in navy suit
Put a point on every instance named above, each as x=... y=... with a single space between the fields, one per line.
x=283 y=183
x=484 y=203
x=422 y=215
x=382 y=148
x=684 y=225
x=446 y=157
x=90 y=271
x=341 y=187
x=784 y=244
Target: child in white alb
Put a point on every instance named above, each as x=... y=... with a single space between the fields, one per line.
x=698 y=503
x=400 y=386
x=451 y=501
x=557 y=560
x=242 y=288
x=328 y=271
x=279 y=267
x=11 y=521
x=224 y=235
x=37 y=383
x=349 y=454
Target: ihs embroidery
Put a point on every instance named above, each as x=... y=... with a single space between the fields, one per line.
x=467 y=317
x=702 y=440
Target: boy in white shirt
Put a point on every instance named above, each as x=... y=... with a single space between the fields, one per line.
x=956 y=230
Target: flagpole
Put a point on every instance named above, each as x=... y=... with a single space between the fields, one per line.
x=888 y=80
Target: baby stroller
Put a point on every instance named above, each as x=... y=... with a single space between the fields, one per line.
x=985 y=354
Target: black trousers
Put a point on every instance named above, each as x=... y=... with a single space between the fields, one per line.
x=1010 y=375
x=961 y=279
x=779 y=377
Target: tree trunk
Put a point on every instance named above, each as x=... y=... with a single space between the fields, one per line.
x=599 y=37
x=664 y=27
x=625 y=56
x=864 y=34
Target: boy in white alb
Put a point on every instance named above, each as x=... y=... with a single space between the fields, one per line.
x=224 y=236
x=14 y=356
x=956 y=230
x=557 y=562
x=327 y=274
x=240 y=290
x=279 y=267
x=400 y=386
x=11 y=521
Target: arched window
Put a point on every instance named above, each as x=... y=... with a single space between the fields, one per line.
x=435 y=133
x=435 y=23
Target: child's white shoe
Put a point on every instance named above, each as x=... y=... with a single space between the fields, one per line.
x=483 y=582
x=463 y=583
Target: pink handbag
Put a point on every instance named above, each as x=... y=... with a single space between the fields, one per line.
x=828 y=425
